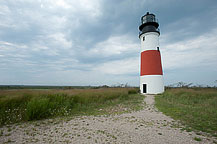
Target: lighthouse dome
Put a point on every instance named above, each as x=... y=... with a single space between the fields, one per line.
x=149 y=23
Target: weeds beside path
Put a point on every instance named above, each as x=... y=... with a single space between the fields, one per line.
x=27 y=105
x=146 y=126
x=195 y=108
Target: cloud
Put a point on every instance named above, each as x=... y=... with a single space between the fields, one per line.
x=56 y=40
x=115 y=45
x=120 y=67
x=96 y=42
x=199 y=51
x=46 y=29
x=118 y=54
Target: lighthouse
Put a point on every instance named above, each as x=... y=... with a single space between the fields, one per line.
x=151 y=73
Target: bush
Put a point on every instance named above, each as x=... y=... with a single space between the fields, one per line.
x=38 y=109
x=27 y=105
x=132 y=91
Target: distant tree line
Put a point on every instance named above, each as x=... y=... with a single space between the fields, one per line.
x=190 y=85
x=63 y=87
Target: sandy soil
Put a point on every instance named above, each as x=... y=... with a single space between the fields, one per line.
x=145 y=126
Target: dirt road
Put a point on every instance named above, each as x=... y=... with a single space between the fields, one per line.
x=145 y=126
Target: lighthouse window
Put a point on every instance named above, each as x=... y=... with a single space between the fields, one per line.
x=143 y=38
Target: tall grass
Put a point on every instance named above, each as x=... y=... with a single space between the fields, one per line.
x=196 y=108
x=27 y=105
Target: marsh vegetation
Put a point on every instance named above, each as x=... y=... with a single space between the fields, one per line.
x=17 y=105
x=194 y=107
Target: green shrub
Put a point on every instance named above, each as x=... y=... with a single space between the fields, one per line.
x=27 y=105
x=133 y=91
x=38 y=109
x=12 y=108
x=196 y=108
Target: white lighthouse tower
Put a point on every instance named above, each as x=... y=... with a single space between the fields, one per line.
x=151 y=74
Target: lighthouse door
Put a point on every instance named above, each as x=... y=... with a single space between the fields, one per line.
x=144 y=88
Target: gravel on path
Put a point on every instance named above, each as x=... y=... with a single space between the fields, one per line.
x=147 y=126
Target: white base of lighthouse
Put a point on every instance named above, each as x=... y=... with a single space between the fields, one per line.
x=151 y=84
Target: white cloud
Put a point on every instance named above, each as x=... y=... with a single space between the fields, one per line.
x=118 y=67
x=4 y=10
x=115 y=45
x=60 y=40
x=74 y=7
x=62 y=3
x=6 y=21
x=86 y=7
x=9 y=47
x=49 y=15
x=195 y=52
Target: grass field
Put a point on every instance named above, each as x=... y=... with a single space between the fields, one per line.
x=33 y=104
x=195 y=108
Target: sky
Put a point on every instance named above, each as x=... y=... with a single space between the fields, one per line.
x=95 y=42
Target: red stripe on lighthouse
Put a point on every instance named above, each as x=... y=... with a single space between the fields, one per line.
x=151 y=63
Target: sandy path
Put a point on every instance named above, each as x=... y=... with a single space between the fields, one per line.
x=145 y=126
